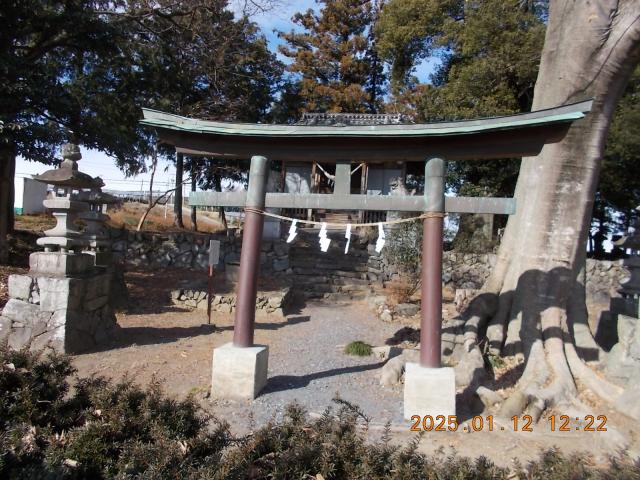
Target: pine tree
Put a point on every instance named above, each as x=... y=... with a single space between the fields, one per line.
x=334 y=63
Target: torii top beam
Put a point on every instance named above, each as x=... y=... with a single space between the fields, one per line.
x=499 y=137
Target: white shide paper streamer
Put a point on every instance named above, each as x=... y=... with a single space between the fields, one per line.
x=347 y=235
x=292 y=232
x=324 y=240
x=380 y=241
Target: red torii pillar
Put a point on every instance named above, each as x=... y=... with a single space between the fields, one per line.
x=240 y=368
x=432 y=227
x=430 y=389
x=247 y=288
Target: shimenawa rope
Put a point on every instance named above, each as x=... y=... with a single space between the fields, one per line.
x=343 y=225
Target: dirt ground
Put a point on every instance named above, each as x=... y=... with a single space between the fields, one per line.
x=307 y=365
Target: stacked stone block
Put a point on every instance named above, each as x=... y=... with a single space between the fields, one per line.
x=66 y=314
x=268 y=302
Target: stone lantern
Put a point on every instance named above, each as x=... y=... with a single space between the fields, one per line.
x=63 y=244
x=63 y=302
x=96 y=234
x=630 y=290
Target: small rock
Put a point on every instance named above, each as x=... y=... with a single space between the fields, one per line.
x=463 y=297
x=392 y=371
x=275 y=302
x=448 y=293
x=376 y=301
x=20 y=286
x=406 y=309
x=470 y=368
x=488 y=397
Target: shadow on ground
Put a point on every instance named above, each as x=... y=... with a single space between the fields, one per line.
x=130 y=336
x=274 y=325
x=280 y=383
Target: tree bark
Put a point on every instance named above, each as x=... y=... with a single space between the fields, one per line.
x=217 y=180
x=7 y=196
x=177 y=199
x=591 y=49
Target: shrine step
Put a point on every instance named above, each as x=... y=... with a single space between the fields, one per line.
x=331 y=217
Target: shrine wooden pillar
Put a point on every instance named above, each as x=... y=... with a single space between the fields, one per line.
x=250 y=254
x=432 y=228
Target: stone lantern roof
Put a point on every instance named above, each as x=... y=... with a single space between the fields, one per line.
x=96 y=195
x=67 y=174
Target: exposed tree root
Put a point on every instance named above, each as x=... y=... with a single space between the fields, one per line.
x=586 y=346
x=590 y=379
x=480 y=310
x=543 y=337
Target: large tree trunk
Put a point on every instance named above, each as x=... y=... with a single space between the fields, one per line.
x=590 y=50
x=7 y=194
x=177 y=199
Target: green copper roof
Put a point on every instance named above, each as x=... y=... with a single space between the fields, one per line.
x=562 y=114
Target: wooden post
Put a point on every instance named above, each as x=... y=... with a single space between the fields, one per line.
x=194 y=184
x=250 y=254
x=363 y=188
x=312 y=188
x=214 y=257
x=431 y=321
x=177 y=199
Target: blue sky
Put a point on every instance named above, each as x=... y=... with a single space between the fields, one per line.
x=96 y=163
x=280 y=20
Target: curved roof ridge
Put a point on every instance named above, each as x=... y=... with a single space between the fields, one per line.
x=560 y=114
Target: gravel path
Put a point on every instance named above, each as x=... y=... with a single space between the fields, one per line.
x=158 y=341
x=307 y=365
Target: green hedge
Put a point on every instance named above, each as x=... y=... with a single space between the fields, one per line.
x=99 y=429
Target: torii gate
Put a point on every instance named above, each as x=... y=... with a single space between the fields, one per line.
x=240 y=368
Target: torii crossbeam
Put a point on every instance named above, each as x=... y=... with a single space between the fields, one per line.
x=240 y=370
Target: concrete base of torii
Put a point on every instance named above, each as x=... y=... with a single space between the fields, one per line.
x=239 y=372
x=429 y=391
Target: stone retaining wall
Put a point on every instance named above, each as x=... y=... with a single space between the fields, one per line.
x=274 y=301
x=603 y=279
x=332 y=275
x=470 y=270
x=190 y=250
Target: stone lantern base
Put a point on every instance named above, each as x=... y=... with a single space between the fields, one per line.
x=60 y=264
x=62 y=304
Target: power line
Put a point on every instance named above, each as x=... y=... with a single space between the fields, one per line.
x=113 y=180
